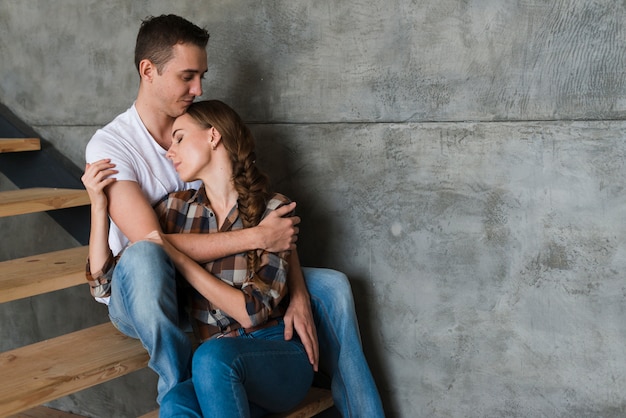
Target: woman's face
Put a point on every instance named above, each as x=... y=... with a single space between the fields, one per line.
x=190 y=151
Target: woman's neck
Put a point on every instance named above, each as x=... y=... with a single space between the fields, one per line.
x=220 y=191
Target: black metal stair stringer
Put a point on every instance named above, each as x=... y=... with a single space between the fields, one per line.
x=44 y=168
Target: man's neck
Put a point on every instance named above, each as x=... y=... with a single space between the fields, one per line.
x=158 y=124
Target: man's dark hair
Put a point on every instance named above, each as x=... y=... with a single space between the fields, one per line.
x=158 y=35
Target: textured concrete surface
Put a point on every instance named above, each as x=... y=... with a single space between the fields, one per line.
x=461 y=161
x=488 y=261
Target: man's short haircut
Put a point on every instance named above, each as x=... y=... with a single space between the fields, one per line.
x=158 y=35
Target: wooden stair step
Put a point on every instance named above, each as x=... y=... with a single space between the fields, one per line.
x=316 y=401
x=34 y=275
x=19 y=144
x=40 y=199
x=48 y=370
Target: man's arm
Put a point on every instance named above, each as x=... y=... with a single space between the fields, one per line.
x=130 y=210
x=299 y=316
x=274 y=234
x=135 y=217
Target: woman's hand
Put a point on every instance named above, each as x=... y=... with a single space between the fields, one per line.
x=158 y=238
x=154 y=236
x=96 y=178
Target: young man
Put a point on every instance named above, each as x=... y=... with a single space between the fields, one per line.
x=171 y=59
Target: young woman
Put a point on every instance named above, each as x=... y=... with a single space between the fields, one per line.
x=244 y=366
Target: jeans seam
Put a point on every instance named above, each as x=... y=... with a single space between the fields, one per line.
x=124 y=297
x=337 y=368
x=233 y=375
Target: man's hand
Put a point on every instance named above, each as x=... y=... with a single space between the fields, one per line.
x=279 y=233
x=300 y=317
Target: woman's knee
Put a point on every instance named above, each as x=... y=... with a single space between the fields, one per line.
x=214 y=363
x=216 y=356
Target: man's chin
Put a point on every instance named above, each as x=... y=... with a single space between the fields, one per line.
x=178 y=112
x=186 y=105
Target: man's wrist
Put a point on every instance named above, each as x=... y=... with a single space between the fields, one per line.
x=298 y=294
x=258 y=240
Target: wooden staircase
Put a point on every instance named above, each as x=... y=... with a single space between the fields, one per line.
x=19 y=144
x=41 y=372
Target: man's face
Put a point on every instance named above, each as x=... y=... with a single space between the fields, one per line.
x=180 y=81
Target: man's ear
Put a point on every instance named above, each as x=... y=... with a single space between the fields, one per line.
x=147 y=70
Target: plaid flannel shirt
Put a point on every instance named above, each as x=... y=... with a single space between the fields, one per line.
x=190 y=212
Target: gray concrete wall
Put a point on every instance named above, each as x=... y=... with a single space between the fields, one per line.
x=461 y=161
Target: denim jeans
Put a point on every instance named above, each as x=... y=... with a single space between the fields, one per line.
x=341 y=353
x=247 y=376
x=144 y=305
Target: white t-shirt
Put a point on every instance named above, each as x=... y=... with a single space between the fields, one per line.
x=137 y=157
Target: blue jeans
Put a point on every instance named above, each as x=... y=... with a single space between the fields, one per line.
x=144 y=305
x=247 y=376
x=341 y=354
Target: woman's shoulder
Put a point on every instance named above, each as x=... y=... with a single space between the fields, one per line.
x=277 y=200
x=182 y=194
x=174 y=199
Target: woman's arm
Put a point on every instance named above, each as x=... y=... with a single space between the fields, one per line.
x=223 y=296
x=96 y=179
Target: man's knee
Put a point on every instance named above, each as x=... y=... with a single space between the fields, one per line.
x=144 y=259
x=330 y=286
x=144 y=283
x=144 y=251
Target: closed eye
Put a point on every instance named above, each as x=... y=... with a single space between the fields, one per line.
x=177 y=136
